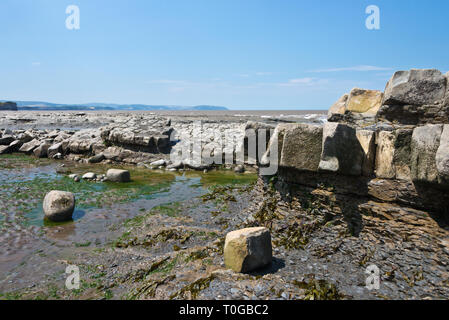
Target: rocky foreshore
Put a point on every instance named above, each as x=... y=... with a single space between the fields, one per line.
x=371 y=185
x=366 y=193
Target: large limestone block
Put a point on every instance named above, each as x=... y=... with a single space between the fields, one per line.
x=442 y=157
x=248 y=249
x=401 y=157
x=59 y=205
x=368 y=143
x=384 y=155
x=341 y=152
x=393 y=154
x=337 y=109
x=424 y=146
x=301 y=149
x=415 y=87
x=364 y=101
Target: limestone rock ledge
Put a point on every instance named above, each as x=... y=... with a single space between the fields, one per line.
x=371 y=185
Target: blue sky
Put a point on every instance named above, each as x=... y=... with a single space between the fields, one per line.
x=243 y=54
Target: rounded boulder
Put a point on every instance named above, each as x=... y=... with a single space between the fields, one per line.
x=117 y=175
x=59 y=206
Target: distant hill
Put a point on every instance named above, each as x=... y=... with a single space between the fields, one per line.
x=47 y=106
x=8 y=106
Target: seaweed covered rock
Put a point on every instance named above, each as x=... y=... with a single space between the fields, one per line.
x=248 y=249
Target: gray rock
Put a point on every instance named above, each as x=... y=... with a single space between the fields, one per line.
x=89 y=176
x=57 y=156
x=367 y=142
x=301 y=147
x=337 y=110
x=59 y=205
x=97 y=158
x=414 y=114
x=393 y=154
x=30 y=146
x=15 y=145
x=341 y=151
x=424 y=146
x=41 y=151
x=442 y=157
x=4 y=149
x=175 y=165
x=415 y=87
x=239 y=169
x=54 y=149
x=6 y=140
x=117 y=175
x=158 y=163
x=446 y=97
x=25 y=137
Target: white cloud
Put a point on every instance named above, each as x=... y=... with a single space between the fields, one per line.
x=163 y=81
x=361 y=68
x=303 y=82
x=264 y=73
x=36 y=64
